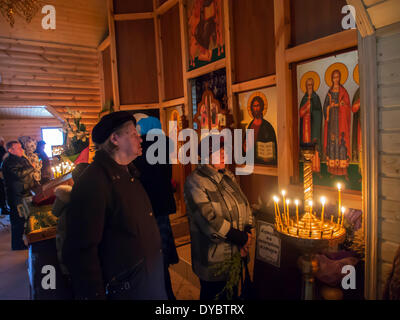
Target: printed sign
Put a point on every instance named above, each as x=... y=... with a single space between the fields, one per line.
x=268 y=244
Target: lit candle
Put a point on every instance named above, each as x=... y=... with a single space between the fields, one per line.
x=276 y=199
x=323 y=200
x=297 y=210
x=343 y=210
x=284 y=201
x=339 y=186
x=276 y=213
x=287 y=209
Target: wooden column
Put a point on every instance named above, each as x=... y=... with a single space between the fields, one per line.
x=284 y=92
x=114 y=63
x=370 y=150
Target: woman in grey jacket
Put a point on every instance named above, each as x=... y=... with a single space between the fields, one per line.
x=220 y=219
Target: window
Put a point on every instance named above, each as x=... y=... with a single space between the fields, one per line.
x=52 y=137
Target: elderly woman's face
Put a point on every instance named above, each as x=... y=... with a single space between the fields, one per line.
x=218 y=164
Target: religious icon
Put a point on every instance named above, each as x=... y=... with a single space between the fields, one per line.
x=209 y=114
x=337 y=114
x=264 y=145
x=311 y=115
x=356 y=133
x=205 y=27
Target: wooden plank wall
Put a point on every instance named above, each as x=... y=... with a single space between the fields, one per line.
x=137 y=68
x=172 y=54
x=37 y=73
x=12 y=129
x=253 y=39
x=388 y=55
x=314 y=19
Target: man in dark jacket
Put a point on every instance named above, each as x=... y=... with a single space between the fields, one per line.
x=18 y=175
x=112 y=247
x=156 y=179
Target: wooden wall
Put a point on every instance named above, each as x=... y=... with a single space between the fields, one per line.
x=137 y=67
x=59 y=76
x=107 y=77
x=314 y=19
x=388 y=52
x=136 y=6
x=253 y=39
x=11 y=129
x=171 y=54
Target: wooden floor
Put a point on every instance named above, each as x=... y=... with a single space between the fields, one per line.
x=14 y=281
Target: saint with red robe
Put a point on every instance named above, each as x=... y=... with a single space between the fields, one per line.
x=337 y=113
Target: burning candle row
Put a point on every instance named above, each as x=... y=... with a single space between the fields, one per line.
x=284 y=220
x=62 y=169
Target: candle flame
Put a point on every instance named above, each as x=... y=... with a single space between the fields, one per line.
x=343 y=209
x=296 y=202
x=276 y=199
x=323 y=200
x=339 y=186
x=287 y=201
x=310 y=203
x=283 y=192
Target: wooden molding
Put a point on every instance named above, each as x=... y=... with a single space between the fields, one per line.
x=165 y=7
x=263 y=170
x=206 y=69
x=367 y=50
x=185 y=61
x=113 y=47
x=104 y=45
x=172 y=103
x=364 y=24
x=159 y=58
x=139 y=106
x=133 y=16
x=101 y=79
x=338 y=41
x=55 y=113
x=228 y=57
x=254 y=84
x=286 y=157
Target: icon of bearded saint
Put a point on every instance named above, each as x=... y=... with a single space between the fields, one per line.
x=264 y=134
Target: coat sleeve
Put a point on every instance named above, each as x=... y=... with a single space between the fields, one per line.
x=203 y=213
x=85 y=223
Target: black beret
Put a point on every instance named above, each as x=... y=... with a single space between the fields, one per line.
x=108 y=124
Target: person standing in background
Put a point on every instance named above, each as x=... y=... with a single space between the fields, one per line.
x=46 y=173
x=19 y=179
x=156 y=179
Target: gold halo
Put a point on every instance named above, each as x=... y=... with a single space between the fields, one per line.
x=263 y=97
x=313 y=75
x=343 y=71
x=356 y=75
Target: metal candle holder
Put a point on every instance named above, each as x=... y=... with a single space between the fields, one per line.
x=309 y=234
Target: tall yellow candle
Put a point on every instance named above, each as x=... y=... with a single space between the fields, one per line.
x=287 y=209
x=310 y=203
x=343 y=211
x=276 y=199
x=339 y=186
x=297 y=210
x=323 y=201
x=284 y=201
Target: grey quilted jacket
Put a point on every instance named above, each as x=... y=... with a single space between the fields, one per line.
x=215 y=203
